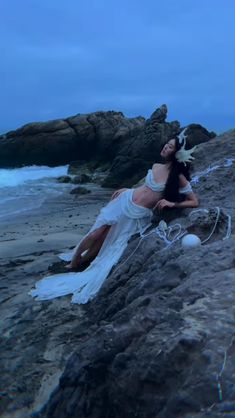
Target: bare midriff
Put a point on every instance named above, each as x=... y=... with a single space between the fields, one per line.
x=144 y=196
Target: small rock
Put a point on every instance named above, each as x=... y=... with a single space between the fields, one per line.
x=80 y=190
x=82 y=178
x=64 y=179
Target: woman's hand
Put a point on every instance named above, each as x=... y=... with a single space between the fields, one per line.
x=163 y=203
x=117 y=193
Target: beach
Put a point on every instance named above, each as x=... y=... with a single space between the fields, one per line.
x=38 y=337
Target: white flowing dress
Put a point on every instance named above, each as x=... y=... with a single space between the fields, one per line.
x=126 y=219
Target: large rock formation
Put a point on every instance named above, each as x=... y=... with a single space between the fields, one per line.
x=124 y=146
x=158 y=341
x=82 y=137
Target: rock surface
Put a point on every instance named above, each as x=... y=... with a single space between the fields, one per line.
x=158 y=341
x=36 y=338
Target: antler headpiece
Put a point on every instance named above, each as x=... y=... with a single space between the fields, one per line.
x=184 y=156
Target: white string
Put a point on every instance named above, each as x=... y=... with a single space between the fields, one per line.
x=228 y=162
x=229 y=225
x=164 y=232
x=219 y=375
x=216 y=221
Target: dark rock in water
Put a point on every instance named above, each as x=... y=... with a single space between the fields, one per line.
x=82 y=178
x=76 y=166
x=80 y=190
x=92 y=171
x=159 y=337
x=64 y=179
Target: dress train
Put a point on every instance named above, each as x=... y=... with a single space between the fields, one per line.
x=126 y=219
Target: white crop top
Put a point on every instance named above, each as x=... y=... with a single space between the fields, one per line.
x=159 y=187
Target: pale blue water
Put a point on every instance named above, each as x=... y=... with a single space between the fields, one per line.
x=26 y=188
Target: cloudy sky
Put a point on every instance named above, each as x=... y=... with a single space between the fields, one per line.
x=62 y=57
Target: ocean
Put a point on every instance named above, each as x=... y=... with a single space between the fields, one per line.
x=26 y=188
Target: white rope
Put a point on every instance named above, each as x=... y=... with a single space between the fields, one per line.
x=219 y=375
x=216 y=221
x=229 y=225
x=215 y=225
x=164 y=233
x=228 y=162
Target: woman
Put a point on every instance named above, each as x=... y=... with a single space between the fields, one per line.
x=128 y=212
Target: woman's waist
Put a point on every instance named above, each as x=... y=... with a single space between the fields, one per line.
x=144 y=196
x=131 y=207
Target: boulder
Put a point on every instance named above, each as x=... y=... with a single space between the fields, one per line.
x=81 y=137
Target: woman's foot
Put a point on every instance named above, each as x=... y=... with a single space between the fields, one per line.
x=74 y=264
x=69 y=266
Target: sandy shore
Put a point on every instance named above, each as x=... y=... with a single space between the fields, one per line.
x=38 y=337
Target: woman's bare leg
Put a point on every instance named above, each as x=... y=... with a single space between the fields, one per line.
x=95 y=248
x=87 y=243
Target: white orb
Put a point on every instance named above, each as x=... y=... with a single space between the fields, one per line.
x=190 y=241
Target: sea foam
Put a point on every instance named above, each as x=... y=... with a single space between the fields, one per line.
x=16 y=176
x=26 y=188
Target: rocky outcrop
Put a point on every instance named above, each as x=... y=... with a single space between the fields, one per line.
x=96 y=135
x=159 y=337
x=125 y=147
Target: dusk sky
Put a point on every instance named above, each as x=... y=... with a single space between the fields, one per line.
x=60 y=58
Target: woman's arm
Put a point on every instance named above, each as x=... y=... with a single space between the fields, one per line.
x=191 y=200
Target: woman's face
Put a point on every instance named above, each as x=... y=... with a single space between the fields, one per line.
x=168 y=150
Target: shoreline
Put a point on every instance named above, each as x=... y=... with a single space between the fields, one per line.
x=66 y=213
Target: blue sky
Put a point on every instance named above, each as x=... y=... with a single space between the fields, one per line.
x=59 y=58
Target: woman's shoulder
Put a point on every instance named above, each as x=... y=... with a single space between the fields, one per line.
x=183 y=181
x=156 y=165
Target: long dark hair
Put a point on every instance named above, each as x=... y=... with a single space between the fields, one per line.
x=171 y=191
